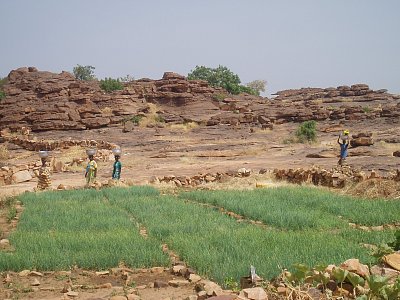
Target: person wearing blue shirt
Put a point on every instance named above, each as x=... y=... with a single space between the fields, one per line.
x=344 y=145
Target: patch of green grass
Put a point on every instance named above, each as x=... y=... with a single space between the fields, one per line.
x=99 y=229
x=59 y=230
x=219 y=247
x=298 y=208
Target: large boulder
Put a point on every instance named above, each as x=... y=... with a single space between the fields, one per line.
x=21 y=176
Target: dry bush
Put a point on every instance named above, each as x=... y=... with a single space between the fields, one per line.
x=185 y=126
x=107 y=111
x=4 y=153
x=152 y=117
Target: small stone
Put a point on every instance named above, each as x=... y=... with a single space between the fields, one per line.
x=282 y=290
x=118 y=298
x=202 y=295
x=194 y=278
x=178 y=282
x=72 y=294
x=160 y=284
x=256 y=293
x=223 y=297
x=107 y=285
x=157 y=270
x=4 y=243
x=354 y=265
x=393 y=260
x=102 y=273
x=7 y=279
x=178 y=268
x=35 y=282
x=141 y=287
x=24 y=273
x=133 y=297
x=314 y=293
x=34 y=273
x=391 y=274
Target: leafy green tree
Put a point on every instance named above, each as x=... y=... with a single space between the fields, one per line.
x=84 y=72
x=110 y=84
x=257 y=85
x=220 y=77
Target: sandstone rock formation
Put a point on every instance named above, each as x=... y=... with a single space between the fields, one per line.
x=47 y=101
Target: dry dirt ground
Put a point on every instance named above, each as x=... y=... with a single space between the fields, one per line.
x=183 y=150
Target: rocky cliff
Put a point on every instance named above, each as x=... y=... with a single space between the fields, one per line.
x=47 y=101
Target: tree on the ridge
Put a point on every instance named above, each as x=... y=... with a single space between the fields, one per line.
x=257 y=85
x=84 y=72
x=220 y=77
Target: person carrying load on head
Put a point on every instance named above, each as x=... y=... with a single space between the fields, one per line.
x=116 y=174
x=91 y=168
x=343 y=141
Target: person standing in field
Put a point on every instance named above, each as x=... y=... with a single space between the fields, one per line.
x=91 y=171
x=343 y=141
x=116 y=174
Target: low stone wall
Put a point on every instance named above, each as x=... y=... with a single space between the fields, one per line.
x=36 y=145
x=337 y=177
x=201 y=178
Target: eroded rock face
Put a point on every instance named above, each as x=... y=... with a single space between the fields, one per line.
x=47 y=101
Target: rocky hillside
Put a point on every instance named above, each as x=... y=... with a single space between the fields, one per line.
x=47 y=101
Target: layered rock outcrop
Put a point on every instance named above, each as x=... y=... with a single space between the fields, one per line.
x=48 y=101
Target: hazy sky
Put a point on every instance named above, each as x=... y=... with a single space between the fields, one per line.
x=289 y=43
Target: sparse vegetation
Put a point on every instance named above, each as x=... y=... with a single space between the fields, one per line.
x=307 y=131
x=109 y=85
x=219 y=96
x=134 y=119
x=3 y=81
x=84 y=72
x=257 y=85
x=12 y=213
x=220 y=77
x=366 y=109
x=4 y=153
x=126 y=79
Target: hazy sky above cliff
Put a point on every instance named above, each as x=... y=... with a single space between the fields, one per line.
x=289 y=43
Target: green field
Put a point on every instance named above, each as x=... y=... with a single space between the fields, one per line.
x=98 y=229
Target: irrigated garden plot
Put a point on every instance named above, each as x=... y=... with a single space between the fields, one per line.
x=99 y=229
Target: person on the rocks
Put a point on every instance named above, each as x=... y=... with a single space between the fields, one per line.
x=116 y=174
x=343 y=141
x=91 y=171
